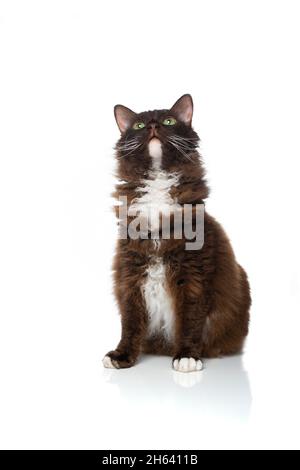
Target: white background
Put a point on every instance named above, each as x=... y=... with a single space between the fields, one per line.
x=63 y=65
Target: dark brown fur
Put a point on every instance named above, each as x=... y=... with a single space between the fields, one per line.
x=209 y=289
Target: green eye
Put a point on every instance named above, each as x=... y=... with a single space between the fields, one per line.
x=138 y=125
x=169 y=121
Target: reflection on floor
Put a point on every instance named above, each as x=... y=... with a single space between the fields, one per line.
x=221 y=390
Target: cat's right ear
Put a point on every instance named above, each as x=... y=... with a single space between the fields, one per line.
x=124 y=117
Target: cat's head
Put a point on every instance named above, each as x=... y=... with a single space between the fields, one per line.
x=162 y=139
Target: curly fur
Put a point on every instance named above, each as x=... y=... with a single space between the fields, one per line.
x=201 y=309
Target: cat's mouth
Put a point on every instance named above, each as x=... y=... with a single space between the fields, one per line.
x=153 y=134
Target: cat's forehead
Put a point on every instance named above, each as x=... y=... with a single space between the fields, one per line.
x=153 y=115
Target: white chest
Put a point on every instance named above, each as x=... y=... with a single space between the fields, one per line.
x=154 y=194
x=155 y=197
x=158 y=300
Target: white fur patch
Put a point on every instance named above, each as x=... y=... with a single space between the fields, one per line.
x=187 y=364
x=106 y=361
x=155 y=198
x=158 y=301
x=155 y=151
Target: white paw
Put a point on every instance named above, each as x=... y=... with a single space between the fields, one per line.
x=108 y=363
x=187 y=364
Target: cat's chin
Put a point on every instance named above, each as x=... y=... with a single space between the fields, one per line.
x=155 y=151
x=154 y=140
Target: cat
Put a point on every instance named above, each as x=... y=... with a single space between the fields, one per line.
x=189 y=304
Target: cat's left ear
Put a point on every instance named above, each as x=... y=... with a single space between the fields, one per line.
x=183 y=109
x=124 y=117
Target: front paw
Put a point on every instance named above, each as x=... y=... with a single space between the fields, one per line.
x=187 y=364
x=118 y=360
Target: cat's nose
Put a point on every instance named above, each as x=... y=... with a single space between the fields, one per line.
x=153 y=128
x=153 y=125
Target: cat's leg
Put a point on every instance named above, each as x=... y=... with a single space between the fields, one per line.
x=133 y=320
x=189 y=336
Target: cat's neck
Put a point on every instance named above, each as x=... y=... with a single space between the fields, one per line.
x=189 y=176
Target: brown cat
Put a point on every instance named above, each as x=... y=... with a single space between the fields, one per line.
x=185 y=302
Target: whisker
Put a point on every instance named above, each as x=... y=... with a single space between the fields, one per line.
x=179 y=139
x=185 y=142
x=126 y=149
x=180 y=150
x=184 y=138
x=183 y=145
x=128 y=144
x=131 y=150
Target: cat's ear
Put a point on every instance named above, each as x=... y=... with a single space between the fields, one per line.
x=183 y=109
x=124 y=117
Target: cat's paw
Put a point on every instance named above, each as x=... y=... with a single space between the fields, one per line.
x=117 y=360
x=187 y=364
x=106 y=361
